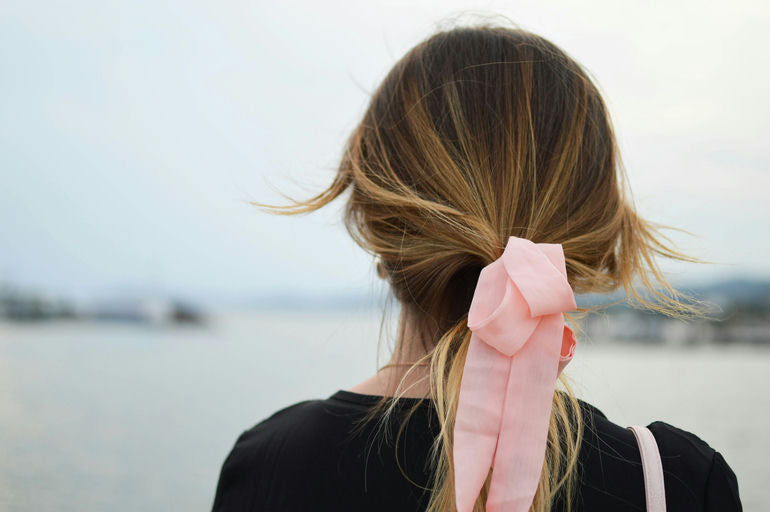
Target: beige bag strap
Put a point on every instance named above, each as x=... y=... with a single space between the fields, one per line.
x=652 y=467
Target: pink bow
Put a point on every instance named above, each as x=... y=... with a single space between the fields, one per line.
x=519 y=345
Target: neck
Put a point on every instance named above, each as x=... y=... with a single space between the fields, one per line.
x=409 y=350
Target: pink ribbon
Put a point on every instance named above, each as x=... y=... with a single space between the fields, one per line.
x=519 y=345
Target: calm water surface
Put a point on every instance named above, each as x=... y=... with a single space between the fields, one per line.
x=125 y=417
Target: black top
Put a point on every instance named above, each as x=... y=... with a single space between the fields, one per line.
x=305 y=458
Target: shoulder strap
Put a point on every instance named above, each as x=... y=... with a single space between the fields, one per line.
x=652 y=467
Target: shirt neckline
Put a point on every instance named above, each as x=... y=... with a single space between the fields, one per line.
x=344 y=395
x=364 y=399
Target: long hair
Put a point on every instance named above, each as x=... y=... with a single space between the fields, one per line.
x=476 y=134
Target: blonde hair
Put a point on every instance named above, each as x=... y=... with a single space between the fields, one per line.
x=476 y=134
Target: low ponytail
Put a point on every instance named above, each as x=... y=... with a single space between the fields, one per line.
x=564 y=433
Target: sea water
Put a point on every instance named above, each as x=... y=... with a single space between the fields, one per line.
x=126 y=417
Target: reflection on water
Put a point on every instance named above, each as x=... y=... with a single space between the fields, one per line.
x=125 y=417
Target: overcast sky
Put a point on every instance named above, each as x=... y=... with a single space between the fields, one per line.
x=132 y=134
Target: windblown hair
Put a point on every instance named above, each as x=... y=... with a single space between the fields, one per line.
x=477 y=134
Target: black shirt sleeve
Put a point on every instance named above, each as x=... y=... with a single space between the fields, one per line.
x=237 y=478
x=722 y=487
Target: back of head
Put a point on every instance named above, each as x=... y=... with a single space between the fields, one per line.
x=477 y=134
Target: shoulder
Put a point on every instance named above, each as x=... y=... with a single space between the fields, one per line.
x=684 y=453
x=303 y=422
x=696 y=476
x=310 y=445
x=261 y=449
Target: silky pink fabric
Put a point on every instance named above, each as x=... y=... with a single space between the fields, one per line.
x=519 y=345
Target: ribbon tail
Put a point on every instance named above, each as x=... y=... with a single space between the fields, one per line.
x=568 y=344
x=479 y=413
x=520 y=454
